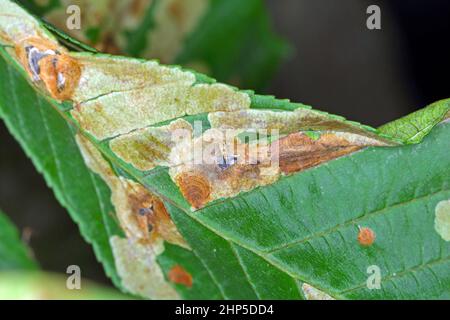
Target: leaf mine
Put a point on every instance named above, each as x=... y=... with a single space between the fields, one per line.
x=51 y=64
x=298 y=151
x=126 y=100
x=152 y=146
x=139 y=271
x=312 y=293
x=146 y=223
x=206 y=178
x=134 y=94
x=131 y=200
x=289 y=122
x=17 y=25
x=195 y=188
x=442 y=219
x=229 y=166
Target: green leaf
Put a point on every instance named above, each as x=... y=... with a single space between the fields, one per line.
x=14 y=255
x=414 y=127
x=32 y=285
x=273 y=240
x=307 y=224
x=48 y=141
x=239 y=273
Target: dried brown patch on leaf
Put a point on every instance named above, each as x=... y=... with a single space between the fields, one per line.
x=228 y=166
x=117 y=95
x=204 y=98
x=151 y=215
x=298 y=151
x=219 y=166
x=146 y=223
x=442 y=219
x=178 y=275
x=195 y=188
x=48 y=65
x=140 y=273
x=142 y=215
x=150 y=147
x=286 y=122
x=312 y=293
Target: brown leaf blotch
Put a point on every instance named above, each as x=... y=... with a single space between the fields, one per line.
x=195 y=188
x=152 y=216
x=64 y=66
x=179 y=275
x=299 y=152
x=59 y=72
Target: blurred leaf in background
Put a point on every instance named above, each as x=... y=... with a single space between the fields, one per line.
x=47 y=286
x=14 y=254
x=21 y=279
x=229 y=40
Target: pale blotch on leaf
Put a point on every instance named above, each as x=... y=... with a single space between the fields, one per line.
x=146 y=223
x=140 y=273
x=225 y=167
x=142 y=216
x=105 y=74
x=152 y=146
x=16 y=25
x=117 y=95
x=312 y=293
x=442 y=219
x=287 y=122
x=228 y=166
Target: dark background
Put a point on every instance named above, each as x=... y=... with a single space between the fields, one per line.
x=337 y=65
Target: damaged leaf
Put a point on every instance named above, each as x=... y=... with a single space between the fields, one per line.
x=266 y=200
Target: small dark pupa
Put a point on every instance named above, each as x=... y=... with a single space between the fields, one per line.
x=224 y=162
x=366 y=236
x=34 y=56
x=146 y=211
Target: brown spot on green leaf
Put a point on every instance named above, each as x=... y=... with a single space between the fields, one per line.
x=178 y=275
